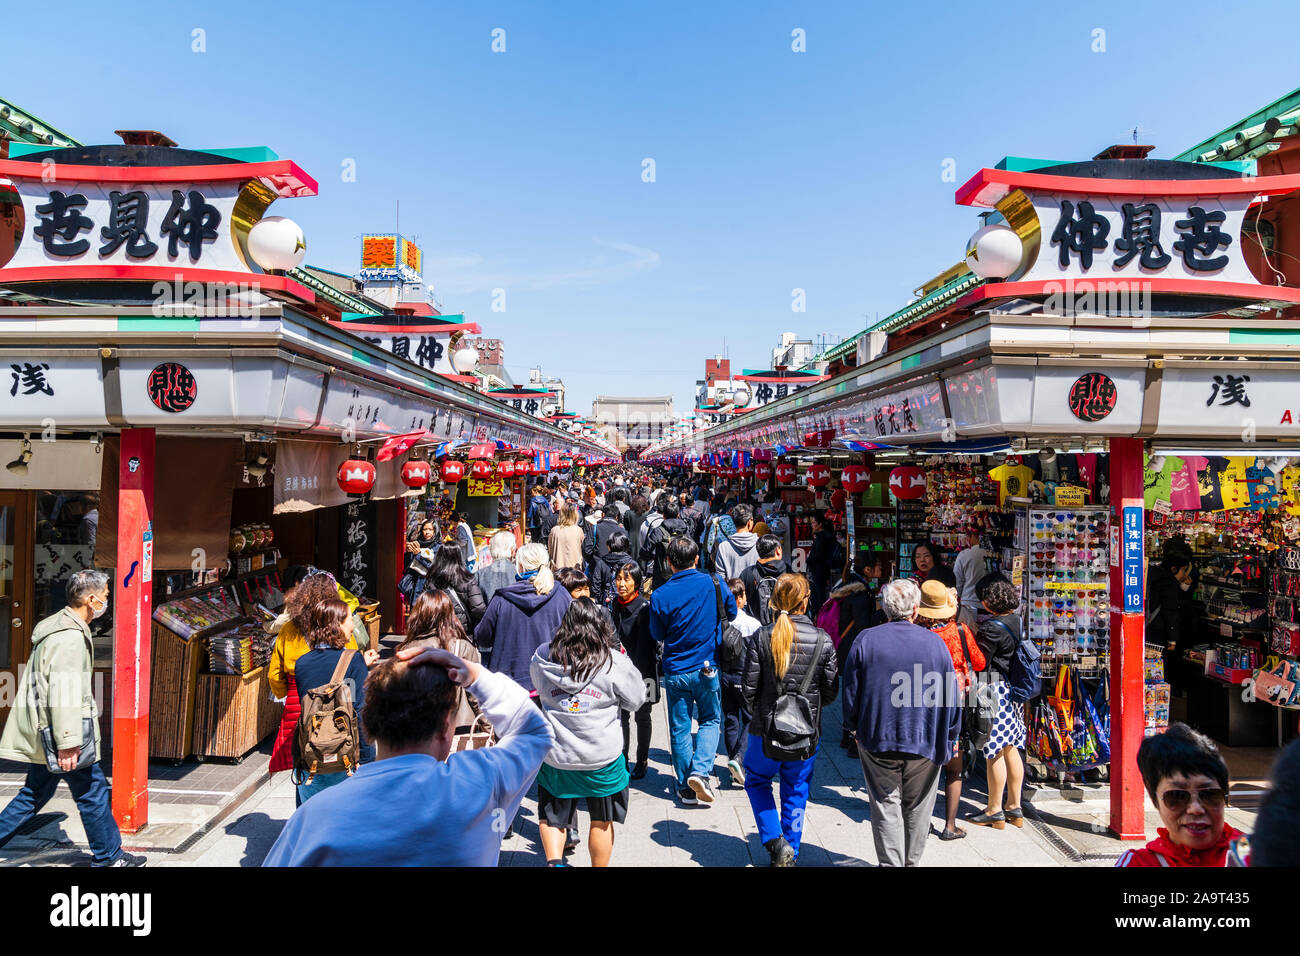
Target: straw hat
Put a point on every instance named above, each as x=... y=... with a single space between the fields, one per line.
x=938 y=603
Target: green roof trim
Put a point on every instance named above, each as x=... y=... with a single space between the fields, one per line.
x=1022 y=164
x=148 y=323
x=1282 y=108
x=943 y=296
x=349 y=305
x=23 y=128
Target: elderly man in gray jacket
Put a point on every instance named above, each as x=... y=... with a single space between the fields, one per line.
x=54 y=728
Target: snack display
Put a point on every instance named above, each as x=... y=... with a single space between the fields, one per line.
x=188 y=616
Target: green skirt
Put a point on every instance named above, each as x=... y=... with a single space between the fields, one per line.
x=571 y=784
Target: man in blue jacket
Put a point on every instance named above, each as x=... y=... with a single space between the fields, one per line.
x=901 y=692
x=685 y=619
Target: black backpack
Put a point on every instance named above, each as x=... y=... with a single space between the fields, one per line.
x=789 y=731
x=1025 y=679
x=661 y=570
x=765 y=585
x=731 y=646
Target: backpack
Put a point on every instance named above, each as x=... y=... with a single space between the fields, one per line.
x=731 y=647
x=764 y=586
x=712 y=538
x=661 y=570
x=328 y=736
x=789 y=731
x=1025 y=679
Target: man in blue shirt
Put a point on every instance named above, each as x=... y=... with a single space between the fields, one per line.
x=687 y=616
x=902 y=695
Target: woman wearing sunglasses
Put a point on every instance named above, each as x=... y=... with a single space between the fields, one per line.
x=1188 y=781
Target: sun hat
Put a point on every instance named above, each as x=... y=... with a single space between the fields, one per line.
x=938 y=602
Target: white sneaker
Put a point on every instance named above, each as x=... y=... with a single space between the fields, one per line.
x=701 y=788
x=737 y=773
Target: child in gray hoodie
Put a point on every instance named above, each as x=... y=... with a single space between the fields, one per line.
x=582 y=683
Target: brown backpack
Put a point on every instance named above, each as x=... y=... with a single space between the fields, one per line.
x=328 y=737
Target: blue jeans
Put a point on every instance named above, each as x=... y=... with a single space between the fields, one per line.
x=795 y=776
x=89 y=788
x=693 y=755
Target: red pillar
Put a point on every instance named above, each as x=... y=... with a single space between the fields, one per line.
x=132 y=613
x=1127 y=630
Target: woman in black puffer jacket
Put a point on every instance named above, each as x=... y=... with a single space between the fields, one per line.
x=449 y=574
x=786 y=656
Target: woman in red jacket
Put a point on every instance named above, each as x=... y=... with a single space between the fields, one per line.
x=938 y=612
x=1188 y=782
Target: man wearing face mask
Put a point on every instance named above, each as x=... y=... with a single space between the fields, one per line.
x=53 y=726
x=1169 y=586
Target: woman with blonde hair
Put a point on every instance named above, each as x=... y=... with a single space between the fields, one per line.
x=790 y=673
x=565 y=541
x=522 y=616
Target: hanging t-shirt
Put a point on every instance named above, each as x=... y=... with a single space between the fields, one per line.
x=1184 y=485
x=1234 y=488
x=1013 y=480
x=1208 y=483
x=1290 y=489
x=1086 y=466
x=1263 y=489
x=1157 y=485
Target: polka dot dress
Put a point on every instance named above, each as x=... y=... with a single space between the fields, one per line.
x=1009 y=727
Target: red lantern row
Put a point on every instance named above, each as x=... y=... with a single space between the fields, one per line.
x=907 y=482
x=356 y=477
x=786 y=473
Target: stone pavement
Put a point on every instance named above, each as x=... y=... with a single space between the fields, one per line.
x=1064 y=827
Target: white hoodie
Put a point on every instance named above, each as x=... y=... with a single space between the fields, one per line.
x=583 y=715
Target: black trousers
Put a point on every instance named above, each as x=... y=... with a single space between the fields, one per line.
x=643 y=729
x=735 y=718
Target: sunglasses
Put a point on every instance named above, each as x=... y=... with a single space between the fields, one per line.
x=1212 y=798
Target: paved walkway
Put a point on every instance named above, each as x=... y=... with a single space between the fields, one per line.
x=660 y=832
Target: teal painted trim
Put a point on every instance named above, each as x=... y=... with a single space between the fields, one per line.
x=19 y=150
x=911 y=361
x=149 y=323
x=360 y=356
x=244 y=154
x=1276 y=336
x=241 y=154
x=1023 y=164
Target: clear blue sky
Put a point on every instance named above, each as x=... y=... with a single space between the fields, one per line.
x=775 y=170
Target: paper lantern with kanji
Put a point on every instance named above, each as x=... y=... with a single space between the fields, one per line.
x=452 y=471
x=907 y=482
x=855 y=479
x=415 y=474
x=482 y=469
x=356 y=477
x=819 y=476
x=506 y=469
x=786 y=473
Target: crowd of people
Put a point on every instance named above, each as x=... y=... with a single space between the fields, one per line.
x=537 y=666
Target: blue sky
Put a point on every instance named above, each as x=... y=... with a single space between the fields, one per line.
x=774 y=170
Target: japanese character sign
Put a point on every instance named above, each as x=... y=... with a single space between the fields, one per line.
x=172 y=387
x=1092 y=397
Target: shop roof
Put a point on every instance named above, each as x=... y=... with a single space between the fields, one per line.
x=18 y=125
x=1249 y=136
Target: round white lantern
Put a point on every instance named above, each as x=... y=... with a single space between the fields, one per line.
x=277 y=243
x=994 y=252
x=740 y=395
x=464 y=360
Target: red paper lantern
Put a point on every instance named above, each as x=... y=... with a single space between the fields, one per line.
x=506 y=469
x=415 y=474
x=482 y=451
x=907 y=482
x=819 y=476
x=482 y=469
x=786 y=473
x=452 y=471
x=855 y=479
x=356 y=477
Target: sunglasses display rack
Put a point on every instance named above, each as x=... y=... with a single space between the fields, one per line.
x=1066 y=585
